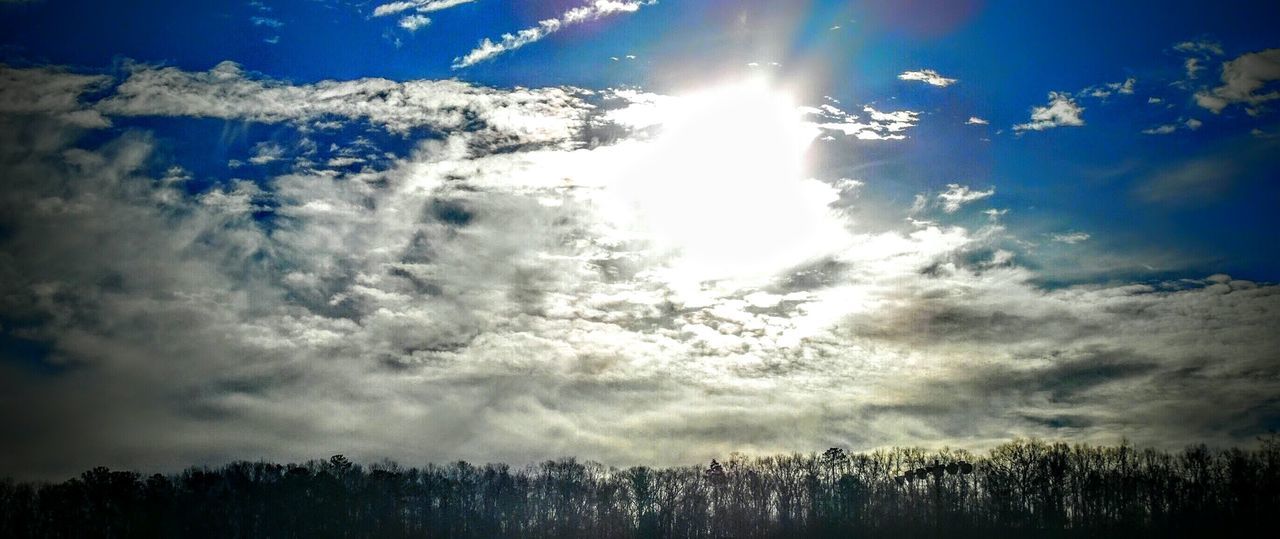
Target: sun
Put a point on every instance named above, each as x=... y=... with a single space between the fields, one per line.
x=723 y=189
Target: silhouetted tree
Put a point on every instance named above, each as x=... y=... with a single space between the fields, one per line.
x=1021 y=488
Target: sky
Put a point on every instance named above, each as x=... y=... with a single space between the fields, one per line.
x=631 y=231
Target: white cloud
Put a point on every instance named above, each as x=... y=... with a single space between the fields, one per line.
x=1242 y=78
x=877 y=126
x=502 y=301
x=266 y=152
x=1062 y=110
x=421 y=6
x=958 y=195
x=593 y=10
x=413 y=22
x=927 y=76
x=974 y=120
x=1070 y=238
x=227 y=92
x=1105 y=90
x=1160 y=130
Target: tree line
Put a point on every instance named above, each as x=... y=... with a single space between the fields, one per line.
x=1021 y=488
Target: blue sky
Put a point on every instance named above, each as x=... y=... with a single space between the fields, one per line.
x=471 y=216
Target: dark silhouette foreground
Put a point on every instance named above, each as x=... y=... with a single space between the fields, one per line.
x=1023 y=488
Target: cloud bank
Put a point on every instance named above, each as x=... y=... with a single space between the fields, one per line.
x=497 y=292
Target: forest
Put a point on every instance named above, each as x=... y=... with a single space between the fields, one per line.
x=1023 y=488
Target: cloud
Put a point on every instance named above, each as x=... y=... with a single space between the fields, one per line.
x=1200 y=47
x=594 y=10
x=51 y=92
x=502 y=298
x=974 y=120
x=1241 y=79
x=421 y=6
x=1062 y=110
x=994 y=214
x=266 y=152
x=958 y=195
x=1070 y=238
x=1105 y=90
x=1193 y=67
x=1197 y=51
x=927 y=76
x=877 y=126
x=1191 y=124
x=227 y=92
x=266 y=21
x=1197 y=180
x=413 y=22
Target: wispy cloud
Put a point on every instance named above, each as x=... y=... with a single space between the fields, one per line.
x=1196 y=52
x=421 y=6
x=994 y=214
x=266 y=152
x=488 y=49
x=1070 y=238
x=266 y=21
x=1203 y=47
x=928 y=76
x=958 y=195
x=974 y=120
x=1105 y=90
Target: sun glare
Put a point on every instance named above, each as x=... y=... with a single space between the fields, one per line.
x=724 y=188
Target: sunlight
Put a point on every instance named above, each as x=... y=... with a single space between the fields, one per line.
x=723 y=189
